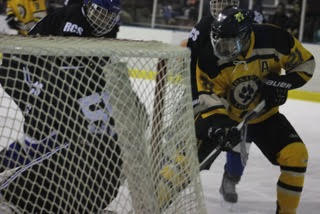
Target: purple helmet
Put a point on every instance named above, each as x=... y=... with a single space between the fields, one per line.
x=102 y=15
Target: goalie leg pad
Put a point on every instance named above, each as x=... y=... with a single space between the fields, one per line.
x=173 y=178
x=293 y=162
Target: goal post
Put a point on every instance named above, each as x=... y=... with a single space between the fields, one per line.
x=77 y=115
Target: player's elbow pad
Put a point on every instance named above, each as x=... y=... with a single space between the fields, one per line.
x=301 y=74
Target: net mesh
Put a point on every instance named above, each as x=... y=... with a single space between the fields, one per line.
x=89 y=125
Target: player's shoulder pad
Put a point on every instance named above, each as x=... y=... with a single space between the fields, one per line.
x=272 y=36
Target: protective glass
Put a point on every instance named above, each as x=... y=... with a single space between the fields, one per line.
x=100 y=19
x=216 y=6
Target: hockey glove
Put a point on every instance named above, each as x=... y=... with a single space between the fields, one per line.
x=274 y=90
x=227 y=138
x=13 y=22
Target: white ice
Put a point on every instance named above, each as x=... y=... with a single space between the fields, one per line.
x=257 y=188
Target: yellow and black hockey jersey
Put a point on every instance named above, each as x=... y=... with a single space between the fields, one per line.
x=232 y=88
x=28 y=12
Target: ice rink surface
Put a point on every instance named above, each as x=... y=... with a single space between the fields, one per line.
x=257 y=188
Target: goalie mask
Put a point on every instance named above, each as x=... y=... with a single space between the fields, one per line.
x=216 y=6
x=230 y=33
x=102 y=15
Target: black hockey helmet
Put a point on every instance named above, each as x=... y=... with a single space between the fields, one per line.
x=230 y=32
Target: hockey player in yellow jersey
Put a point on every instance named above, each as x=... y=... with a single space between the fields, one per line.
x=234 y=167
x=250 y=60
x=22 y=15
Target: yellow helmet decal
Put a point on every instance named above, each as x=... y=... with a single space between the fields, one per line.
x=239 y=17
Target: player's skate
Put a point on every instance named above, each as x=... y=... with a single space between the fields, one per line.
x=228 y=188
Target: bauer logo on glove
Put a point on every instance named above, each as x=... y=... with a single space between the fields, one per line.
x=276 y=83
x=274 y=90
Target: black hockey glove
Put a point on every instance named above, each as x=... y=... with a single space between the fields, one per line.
x=274 y=90
x=227 y=138
x=13 y=22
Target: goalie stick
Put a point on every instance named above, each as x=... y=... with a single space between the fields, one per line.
x=242 y=127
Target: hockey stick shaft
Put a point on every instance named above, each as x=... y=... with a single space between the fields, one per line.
x=210 y=158
x=243 y=129
x=215 y=153
x=252 y=114
x=14 y=173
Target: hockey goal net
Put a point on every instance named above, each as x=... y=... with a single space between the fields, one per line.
x=89 y=125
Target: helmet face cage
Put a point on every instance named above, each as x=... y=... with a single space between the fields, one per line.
x=230 y=33
x=229 y=48
x=100 y=19
x=216 y=6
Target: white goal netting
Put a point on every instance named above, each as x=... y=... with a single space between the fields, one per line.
x=89 y=125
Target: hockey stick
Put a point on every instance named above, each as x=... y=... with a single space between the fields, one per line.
x=10 y=175
x=253 y=114
x=242 y=128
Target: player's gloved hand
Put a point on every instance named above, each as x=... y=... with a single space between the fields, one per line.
x=13 y=22
x=227 y=138
x=274 y=90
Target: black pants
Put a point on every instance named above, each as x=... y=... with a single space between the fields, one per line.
x=272 y=135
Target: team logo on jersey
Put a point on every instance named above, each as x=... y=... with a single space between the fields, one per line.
x=243 y=91
x=194 y=34
x=97 y=109
x=72 y=28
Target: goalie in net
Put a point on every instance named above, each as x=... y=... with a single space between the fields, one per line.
x=69 y=160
